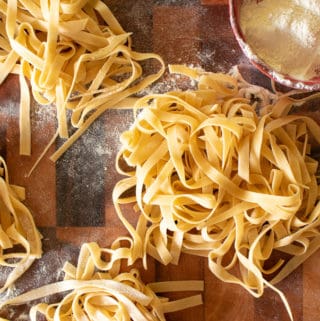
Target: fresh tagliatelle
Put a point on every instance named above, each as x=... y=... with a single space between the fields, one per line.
x=74 y=54
x=209 y=176
x=95 y=294
x=20 y=241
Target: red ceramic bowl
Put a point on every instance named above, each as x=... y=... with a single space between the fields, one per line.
x=234 y=12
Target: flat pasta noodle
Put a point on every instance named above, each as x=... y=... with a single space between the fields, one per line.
x=100 y=294
x=20 y=241
x=212 y=177
x=74 y=54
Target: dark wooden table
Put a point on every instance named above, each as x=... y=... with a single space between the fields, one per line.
x=71 y=200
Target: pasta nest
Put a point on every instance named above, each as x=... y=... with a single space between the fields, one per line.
x=20 y=241
x=100 y=296
x=210 y=176
x=73 y=54
x=125 y=297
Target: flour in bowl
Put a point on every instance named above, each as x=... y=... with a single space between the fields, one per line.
x=285 y=34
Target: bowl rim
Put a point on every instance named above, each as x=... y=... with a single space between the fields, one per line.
x=308 y=85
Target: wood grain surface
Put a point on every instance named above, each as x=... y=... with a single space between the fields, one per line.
x=71 y=200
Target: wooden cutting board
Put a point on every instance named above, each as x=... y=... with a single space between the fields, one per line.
x=71 y=200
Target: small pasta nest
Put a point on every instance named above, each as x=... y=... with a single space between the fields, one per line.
x=95 y=294
x=73 y=54
x=20 y=241
x=212 y=177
